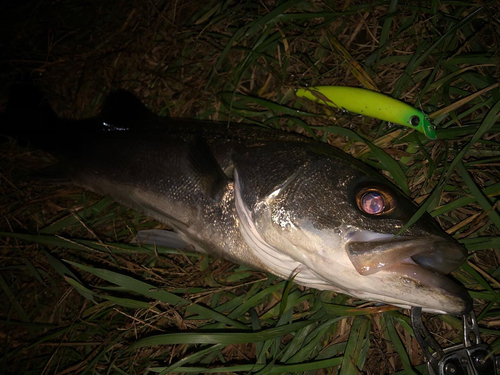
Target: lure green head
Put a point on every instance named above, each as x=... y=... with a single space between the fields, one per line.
x=370 y=103
x=419 y=122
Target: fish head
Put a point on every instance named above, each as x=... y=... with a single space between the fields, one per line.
x=335 y=224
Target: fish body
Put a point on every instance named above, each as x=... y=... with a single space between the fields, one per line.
x=268 y=199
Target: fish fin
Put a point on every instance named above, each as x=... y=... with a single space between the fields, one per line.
x=166 y=238
x=156 y=213
x=205 y=169
x=123 y=107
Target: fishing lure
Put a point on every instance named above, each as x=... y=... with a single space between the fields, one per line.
x=370 y=103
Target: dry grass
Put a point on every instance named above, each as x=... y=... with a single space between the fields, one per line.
x=174 y=56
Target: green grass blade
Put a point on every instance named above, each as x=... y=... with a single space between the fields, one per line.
x=357 y=347
x=295 y=368
x=75 y=218
x=202 y=337
x=191 y=358
x=478 y=195
x=489 y=191
x=150 y=291
x=384 y=33
x=389 y=163
x=417 y=61
x=13 y=301
x=398 y=345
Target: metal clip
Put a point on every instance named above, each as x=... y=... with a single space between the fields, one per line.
x=470 y=358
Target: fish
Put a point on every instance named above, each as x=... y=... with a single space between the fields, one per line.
x=272 y=200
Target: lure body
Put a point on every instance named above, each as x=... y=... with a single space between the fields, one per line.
x=370 y=103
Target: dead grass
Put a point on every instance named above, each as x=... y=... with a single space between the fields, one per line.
x=173 y=55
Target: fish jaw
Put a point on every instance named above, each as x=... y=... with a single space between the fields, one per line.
x=401 y=282
x=435 y=292
x=420 y=263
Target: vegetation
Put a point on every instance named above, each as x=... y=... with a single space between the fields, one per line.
x=80 y=298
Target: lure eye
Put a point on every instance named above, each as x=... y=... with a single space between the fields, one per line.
x=414 y=120
x=372 y=203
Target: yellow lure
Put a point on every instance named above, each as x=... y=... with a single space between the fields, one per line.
x=370 y=103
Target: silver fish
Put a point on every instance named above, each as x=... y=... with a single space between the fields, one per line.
x=268 y=199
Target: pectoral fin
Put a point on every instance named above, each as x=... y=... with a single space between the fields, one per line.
x=204 y=168
x=166 y=238
x=141 y=204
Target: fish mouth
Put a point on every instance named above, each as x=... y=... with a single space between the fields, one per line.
x=419 y=261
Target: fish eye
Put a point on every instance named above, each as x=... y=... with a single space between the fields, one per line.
x=375 y=201
x=372 y=203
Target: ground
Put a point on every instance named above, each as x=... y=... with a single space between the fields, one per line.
x=143 y=308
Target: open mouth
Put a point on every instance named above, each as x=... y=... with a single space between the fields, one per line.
x=422 y=260
x=432 y=253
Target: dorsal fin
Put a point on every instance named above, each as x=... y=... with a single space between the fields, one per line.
x=122 y=106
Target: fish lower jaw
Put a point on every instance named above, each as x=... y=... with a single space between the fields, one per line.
x=400 y=303
x=428 y=289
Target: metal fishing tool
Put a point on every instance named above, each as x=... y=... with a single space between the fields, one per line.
x=472 y=357
x=370 y=103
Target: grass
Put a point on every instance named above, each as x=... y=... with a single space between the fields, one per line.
x=79 y=298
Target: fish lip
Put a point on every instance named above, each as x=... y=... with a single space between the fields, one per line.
x=421 y=261
x=439 y=254
x=459 y=301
